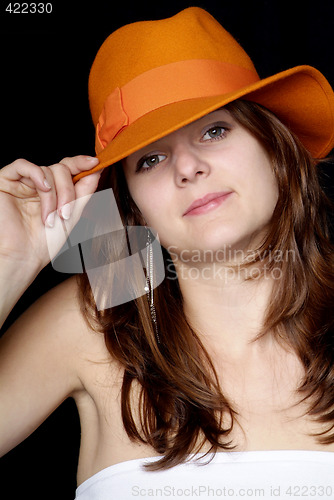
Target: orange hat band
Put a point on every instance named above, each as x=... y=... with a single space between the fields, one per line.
x=165 y=85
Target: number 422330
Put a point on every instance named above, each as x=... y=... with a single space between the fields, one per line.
x=29 y=8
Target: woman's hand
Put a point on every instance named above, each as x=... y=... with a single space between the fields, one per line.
x=31 y=200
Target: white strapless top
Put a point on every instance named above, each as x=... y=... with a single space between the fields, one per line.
x=282 y=474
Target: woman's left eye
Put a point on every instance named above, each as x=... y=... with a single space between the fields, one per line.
x=214 y=133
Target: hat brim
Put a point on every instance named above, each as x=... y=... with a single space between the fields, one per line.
x=300 y=97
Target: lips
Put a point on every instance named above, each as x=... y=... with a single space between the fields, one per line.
x=207 y=203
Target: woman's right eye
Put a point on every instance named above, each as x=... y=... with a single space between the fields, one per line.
x=150 y=161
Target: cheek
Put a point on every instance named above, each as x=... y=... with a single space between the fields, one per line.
x=263 y=191
x=157 y=214
x=257 y=182
x=149 y=202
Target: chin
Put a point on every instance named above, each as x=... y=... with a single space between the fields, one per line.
x=222 y=238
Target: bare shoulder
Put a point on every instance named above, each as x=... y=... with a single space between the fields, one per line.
x=60 y=311
x=43 y=360
x=53 y=331
x=63 y=299
x=60 y=307
x=56 y=312
x=62 y=304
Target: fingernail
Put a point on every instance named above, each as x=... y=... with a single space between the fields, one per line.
x=92 y=159
x=46 y=184
x=66 y=211
x=50 y=220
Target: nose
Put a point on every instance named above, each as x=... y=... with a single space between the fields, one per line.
x=189 y=166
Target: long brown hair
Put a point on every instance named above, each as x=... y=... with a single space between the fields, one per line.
x=181 y=404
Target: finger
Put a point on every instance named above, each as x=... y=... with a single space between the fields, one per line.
x=77 y=206
x=64 y=189
x=48 y=199
x=27 y=173
x=83 y=193
x=87 y=185
x=63 y=193
x=80 y=163
x=24 y=179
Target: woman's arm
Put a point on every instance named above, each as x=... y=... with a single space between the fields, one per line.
x=40 y=362
x=33 y=200
x=39 y=353
x=13 y=282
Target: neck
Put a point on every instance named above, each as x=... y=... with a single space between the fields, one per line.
x=226 y=309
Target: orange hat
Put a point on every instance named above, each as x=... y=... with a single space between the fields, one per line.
x=151 y=78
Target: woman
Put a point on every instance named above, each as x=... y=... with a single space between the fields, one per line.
x=233 y=352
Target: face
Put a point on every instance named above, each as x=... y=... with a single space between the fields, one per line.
x=205 y=187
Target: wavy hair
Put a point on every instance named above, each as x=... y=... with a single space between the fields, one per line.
x=181 y=404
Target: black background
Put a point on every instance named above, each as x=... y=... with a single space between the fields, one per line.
x=45 y=61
